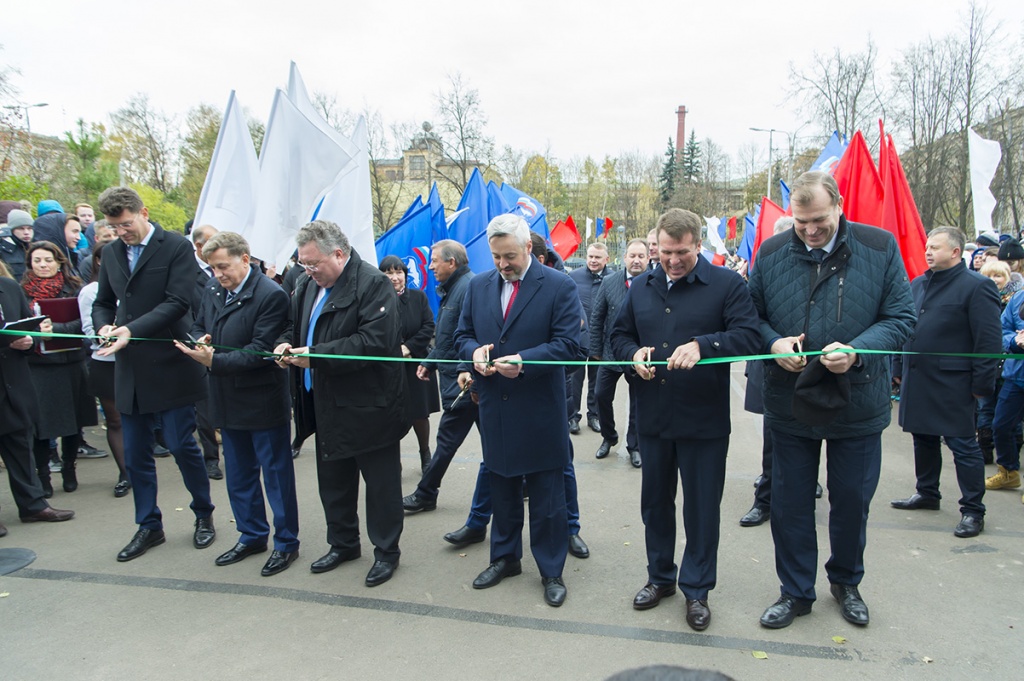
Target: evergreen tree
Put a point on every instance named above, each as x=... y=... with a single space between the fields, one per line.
x=690 y=161
x=669 y=174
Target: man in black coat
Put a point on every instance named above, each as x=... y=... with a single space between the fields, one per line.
x=142 y=305
x=588 y=280
x=242 y=315
x=685 y=311
x=356 y=407
x=18 y=414
x=957 y=312
x=604 y=309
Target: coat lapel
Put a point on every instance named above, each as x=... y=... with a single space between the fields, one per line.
x=151 y=248
x=527 y=290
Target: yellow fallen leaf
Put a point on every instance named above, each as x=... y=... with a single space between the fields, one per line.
x=5 y=594
x=926 y=660
x=179 y=509
x=759 y=654
x=625 y=543
x=462 y=555
x=839 y=639
x=232 y=520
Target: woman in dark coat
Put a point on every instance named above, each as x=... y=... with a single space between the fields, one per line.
x=417 y=334
x=60 y=378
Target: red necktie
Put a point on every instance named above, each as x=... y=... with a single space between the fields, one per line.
x=511 y=298
x=627 y=282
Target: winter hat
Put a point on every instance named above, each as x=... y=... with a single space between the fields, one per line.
x=48 y=206
x=1011 y=250
x=988 y=239
x=18 y=218
x=819 y=395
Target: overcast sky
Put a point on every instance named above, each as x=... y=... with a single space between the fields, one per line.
x=575 y=77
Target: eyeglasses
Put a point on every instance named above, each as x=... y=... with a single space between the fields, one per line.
x=310 y=269
x=121 y=225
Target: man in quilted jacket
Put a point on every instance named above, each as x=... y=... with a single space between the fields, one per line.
x=837 y=287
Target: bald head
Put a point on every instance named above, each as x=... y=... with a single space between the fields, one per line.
x=200 y=235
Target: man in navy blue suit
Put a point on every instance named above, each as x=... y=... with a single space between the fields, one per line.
x=685 y=311
x=518 y=400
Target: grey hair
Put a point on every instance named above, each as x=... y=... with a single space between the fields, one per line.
x=784 y=223
x=802 y=192
x=327 y=236
x=636 y=241
x=234 y=244
x=449 y=249
x=509 y=225
x=599 y=246
x=202 y=234
x=956 y=237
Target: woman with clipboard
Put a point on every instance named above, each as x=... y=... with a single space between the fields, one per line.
x=58 y=369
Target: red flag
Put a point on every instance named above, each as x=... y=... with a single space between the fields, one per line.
x=731 y=228
x=770 y=213
x=565 y=238
x=900 y=215
x=608 y=224
x=859 y=183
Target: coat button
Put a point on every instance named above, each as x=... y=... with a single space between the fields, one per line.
x=128 y=295
x=668 y=310
x=664 y=345
x=131 y=316
x=502 y=340
x=663 y=381
x=717 y=344
x=504 y=397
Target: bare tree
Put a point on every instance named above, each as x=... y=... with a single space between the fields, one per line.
x=148 y=143
x=838 y=90
x=386 y=182
x=510 y=165
x=341 y=119
x=462 y=122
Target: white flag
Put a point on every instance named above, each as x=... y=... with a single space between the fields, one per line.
x=590 y=227
x=348 y=202
x=714 y=237
x=299 y=161
x=984 y=155
x=228 y=200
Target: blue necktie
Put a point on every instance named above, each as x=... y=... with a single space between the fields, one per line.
x=133 y=257
x=307 y=377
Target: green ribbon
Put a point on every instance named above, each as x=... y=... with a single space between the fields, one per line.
x=538 y=362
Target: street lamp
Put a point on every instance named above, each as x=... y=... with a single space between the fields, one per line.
x=25 y=108
x=770 y=131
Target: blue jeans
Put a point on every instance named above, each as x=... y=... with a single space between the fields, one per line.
x=1009 y=411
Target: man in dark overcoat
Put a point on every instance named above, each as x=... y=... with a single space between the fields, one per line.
x=957 y=312
x=346 y=306
x=143 y=301
x=685 y=311
x=522 y=311
x=242 y=314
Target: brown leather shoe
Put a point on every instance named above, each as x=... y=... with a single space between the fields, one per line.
x=651 y=595
x=698 y=614
x=49 y=515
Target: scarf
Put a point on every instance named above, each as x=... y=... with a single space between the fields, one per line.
x=42 y=289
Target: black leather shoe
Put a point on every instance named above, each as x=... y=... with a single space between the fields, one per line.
x=594 y=424
x=414 y=503
x=142 y=541
x=204 y=534
x=755 y=516
x=278 y=562
x=296 y=451
x=604 y=449
x=239 y=552
x=698 y=614
x=634 y=457
x=782 y=613
x=122 y=488
x=574 y=426
x=851 y=605
x=578 y=547
x=333 y=559
x=915 y=502
x=554 y=591
x=817 y=490
x=69 y=477
x=757 y=481
x=381 y=572
x=651 y=595
x=497 y=571
x=969 y=526
x=213 y=471
x=49 y=515
x=466 y=535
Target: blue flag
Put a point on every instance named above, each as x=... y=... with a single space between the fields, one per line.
x=831 y=154
x=599 y=229
x=784 y=189
x=746 y=248
x=439 y=229
x=479 y=252
x=416 y=203
x=473 y=220
x=529 y=208
x=410 y=240
x=496 y=203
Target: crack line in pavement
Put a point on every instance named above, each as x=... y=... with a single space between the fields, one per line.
x=444 y=612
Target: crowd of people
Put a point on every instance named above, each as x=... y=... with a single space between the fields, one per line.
x=182 y=341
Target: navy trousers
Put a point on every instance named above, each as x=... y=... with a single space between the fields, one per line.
x=178 y=426
x=246 y=454
x=763 y=492
x=969 y=464
x=604 y=393
x=700 y=464
x=853 y=466
x=480 y=511
x=548 y=525
x=16 y=452
x=452 y=431
x=576 y=378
